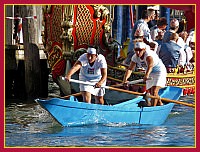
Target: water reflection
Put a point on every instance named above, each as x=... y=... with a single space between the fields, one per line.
x=30 y=125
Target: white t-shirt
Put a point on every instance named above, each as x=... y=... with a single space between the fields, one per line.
x=158 y=73
x=144 y=26
x=158 y=66
x=91 y=73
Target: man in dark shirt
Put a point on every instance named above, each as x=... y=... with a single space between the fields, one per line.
x=170 y=52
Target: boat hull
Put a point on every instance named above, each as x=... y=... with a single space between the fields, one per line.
x=72 y=112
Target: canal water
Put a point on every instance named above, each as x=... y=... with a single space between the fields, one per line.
x=28 y=125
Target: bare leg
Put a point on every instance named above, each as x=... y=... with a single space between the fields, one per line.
x=147 y=99
x=154 y=92
x=151 y=92
x=99 y=100
x=86 y=96
x=159 y=102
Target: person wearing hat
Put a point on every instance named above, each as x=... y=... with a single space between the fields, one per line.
x=174 y=25
x=154 y=69
x=93 y=69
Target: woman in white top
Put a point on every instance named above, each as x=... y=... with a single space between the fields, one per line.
x=93 y=69
x=154 y=69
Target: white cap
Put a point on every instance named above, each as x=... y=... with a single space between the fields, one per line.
x=91 y=50
x=140 y=45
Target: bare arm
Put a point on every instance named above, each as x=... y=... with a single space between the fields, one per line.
x=103 y=78
x=75 y=68
x=129 y=71
x=149 y=67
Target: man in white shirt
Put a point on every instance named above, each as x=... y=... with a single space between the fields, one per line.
x=93 y=69
x=147 y=15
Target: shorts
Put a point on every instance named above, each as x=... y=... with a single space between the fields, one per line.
x=91 y=89
x=159 y=79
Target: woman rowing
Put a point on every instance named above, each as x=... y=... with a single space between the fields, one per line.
x=154 y=68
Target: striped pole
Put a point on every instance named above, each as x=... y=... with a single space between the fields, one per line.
x=18 y=18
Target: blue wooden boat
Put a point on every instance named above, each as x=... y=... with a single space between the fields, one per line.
x=72 y=112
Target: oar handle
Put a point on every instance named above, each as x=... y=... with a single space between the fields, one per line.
x=135 y=81
x=81 y=82
x=132 y=82
x=88 y=83
x=138 y=81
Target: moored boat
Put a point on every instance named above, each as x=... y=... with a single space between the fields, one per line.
x=71 y=112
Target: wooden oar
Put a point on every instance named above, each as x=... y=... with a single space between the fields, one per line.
x=128 y=83
x=135 y=93
x=64 y=97
x=131 y=82
x=79 y=93
x=75 y=94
